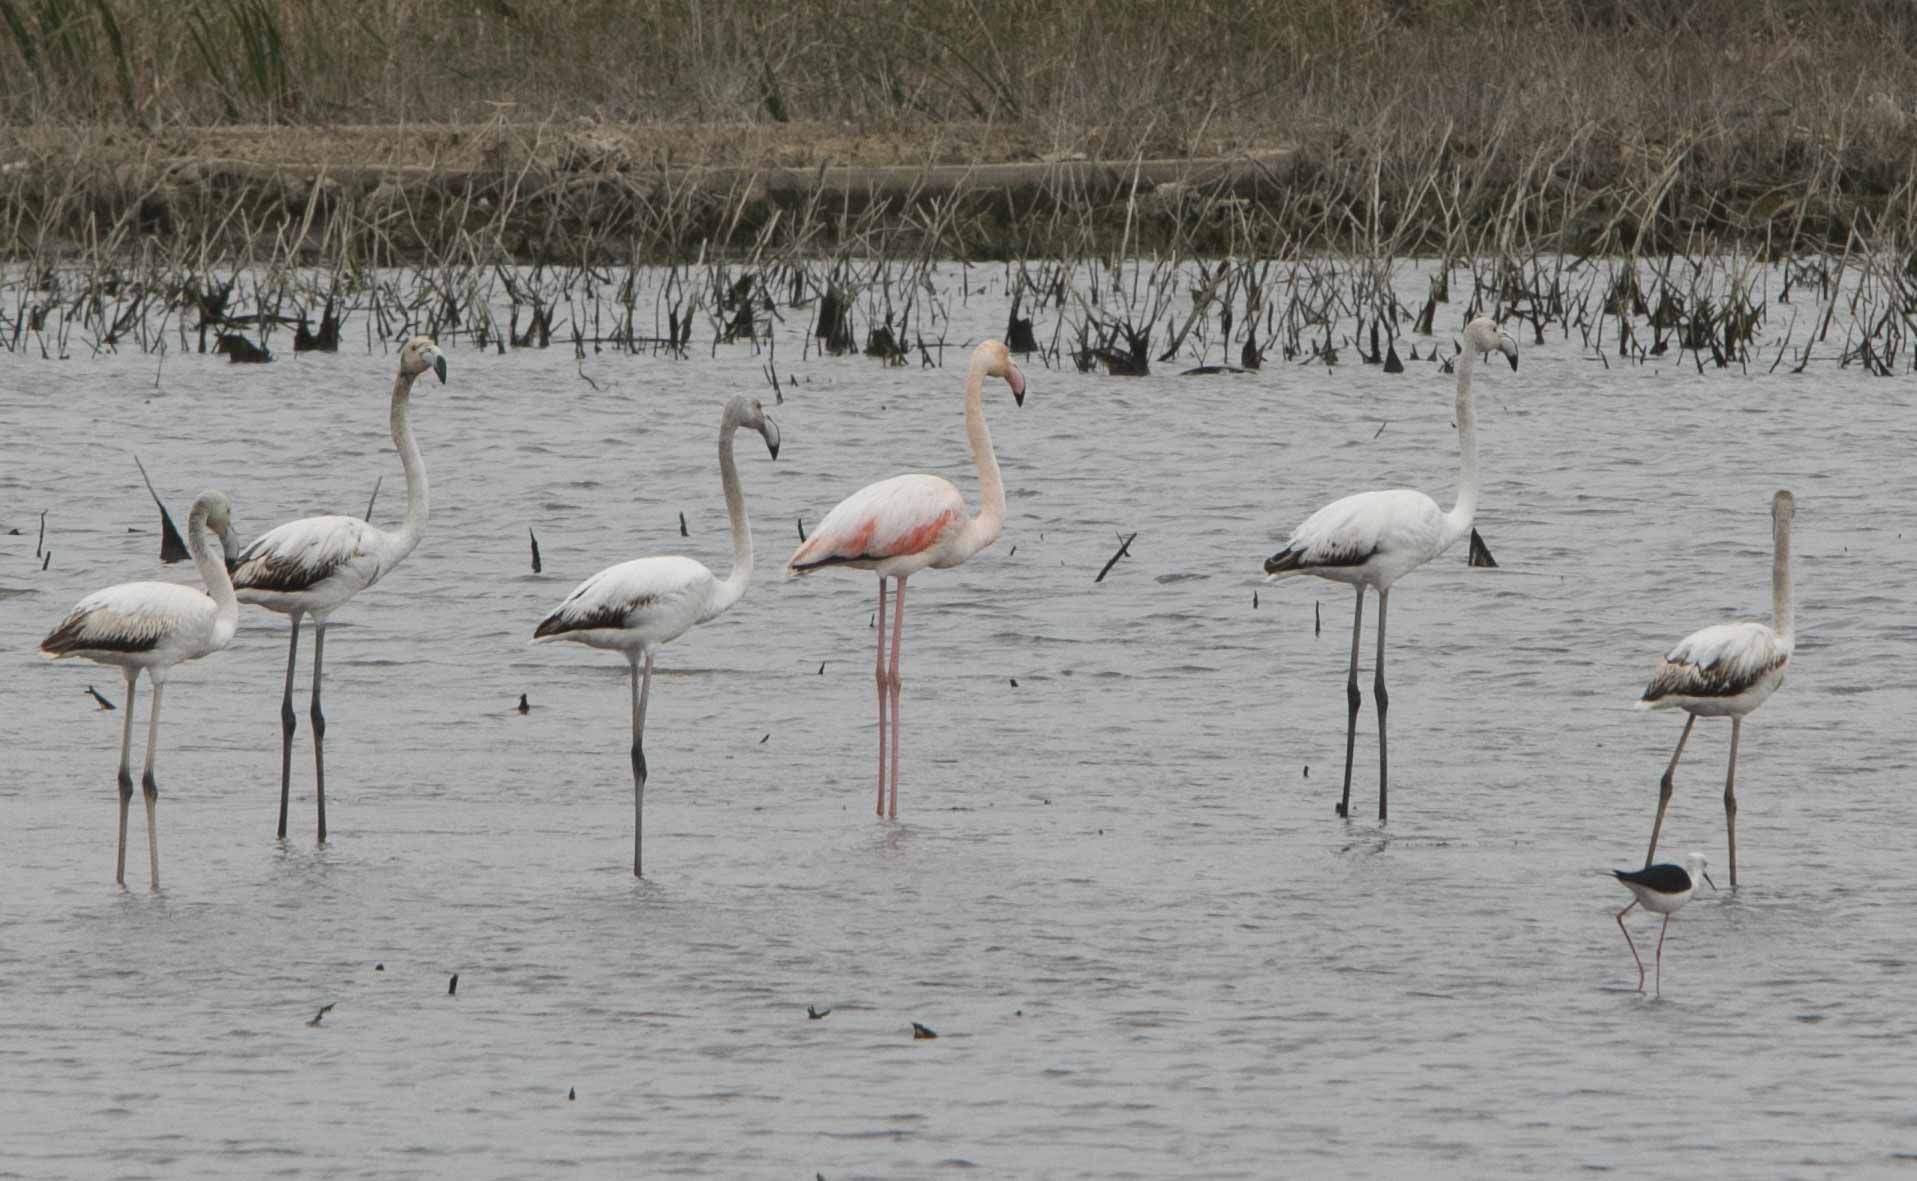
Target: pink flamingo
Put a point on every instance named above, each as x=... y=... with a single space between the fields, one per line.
x=907 y=523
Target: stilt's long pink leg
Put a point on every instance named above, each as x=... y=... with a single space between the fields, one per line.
x=878 y=678
x=1662 y=931
x=898 y=634
x=1633 y=946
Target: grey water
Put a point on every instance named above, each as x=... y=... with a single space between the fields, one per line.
x=1116 y=890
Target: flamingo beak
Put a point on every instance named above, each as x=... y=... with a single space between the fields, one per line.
x=1510 y=351
x=770 y=430
x=439 y=366
x=1016 y=380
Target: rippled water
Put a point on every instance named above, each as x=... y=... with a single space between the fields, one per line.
x=1147 y=944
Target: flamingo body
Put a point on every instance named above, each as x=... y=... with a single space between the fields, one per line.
x=1369 y=539
x=142 y=625
x=895 y=527
x=1726 y=670
x=637 y=605
x=315 y=564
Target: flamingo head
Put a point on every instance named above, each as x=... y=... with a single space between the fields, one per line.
x=749 y=413
x=998 y=363
x=1483 y=336
x=216 y=512
x=420 y=354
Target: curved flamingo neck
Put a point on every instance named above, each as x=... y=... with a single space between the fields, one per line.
x=418 y=501
x=733 y=585
x=983 y=529
x=1458 y=520
x=1782 y=621
x=212 y=568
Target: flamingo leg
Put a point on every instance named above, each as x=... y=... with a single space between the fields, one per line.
x=287 y=722
x=126 y=775
x=1662 y=931
x=641 y=691
x=151 y=788
x=319 y=728
x=878 y=678
x=898 y=634
x=1633 y=946
x=1664 y=788
x=1352 y=698
x=1730 y=797
x=1383 y=701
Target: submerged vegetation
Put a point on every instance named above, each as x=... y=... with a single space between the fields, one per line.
x=1211 y=183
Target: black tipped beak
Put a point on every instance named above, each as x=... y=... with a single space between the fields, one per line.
x=1513 y=358
x=771 y=433
x=1707 y=877
x=439 y=367
x=1271 y=565
x=1016 y=380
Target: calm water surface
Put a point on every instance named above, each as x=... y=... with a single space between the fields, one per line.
x=1147 y=944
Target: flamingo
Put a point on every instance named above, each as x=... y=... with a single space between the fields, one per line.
x=1727 y=670
x=1372 y=539
x=154 y=626
x=312 y=566
x=637 y=606
x=900 y=526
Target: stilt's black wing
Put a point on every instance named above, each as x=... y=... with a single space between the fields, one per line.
x=172 y=549
x=1665 y=879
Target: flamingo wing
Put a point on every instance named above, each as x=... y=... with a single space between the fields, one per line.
x=657 y=599
x=1356 y=529
x=1723 y=660
x=889 y=519
x=130 y=617
x=300 y=555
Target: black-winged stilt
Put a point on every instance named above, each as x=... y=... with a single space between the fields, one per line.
x=1661 y=889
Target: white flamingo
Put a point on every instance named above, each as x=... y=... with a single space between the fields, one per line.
x=1726 y=671
x=312 y=566
x=900 y=526
x=1373 y=539
x=154 y=626
x=637 y=606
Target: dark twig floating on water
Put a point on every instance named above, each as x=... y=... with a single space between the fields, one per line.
x=104 y=703
x=1124 y=546
x=172 y=549
x=682 y=526
x=923 y=1032
x=1317 y=619
x=47 y=561
x=817 y=1014
x=800 y=521
x=1254 y=600
x=373 y=499
x=38 y=545
x=452 y=986
x=324 y=1010
x=572 y=1093
x=524 y=706
x=1481 y=553
x=535 y=548
x=1381 y=427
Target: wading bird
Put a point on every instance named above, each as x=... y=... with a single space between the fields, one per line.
x=900 y=526
x=1726 y=671
x=637 y=606
x=312 y=566
x=154 y=626
x=1373 y=539
x=1660 y=889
